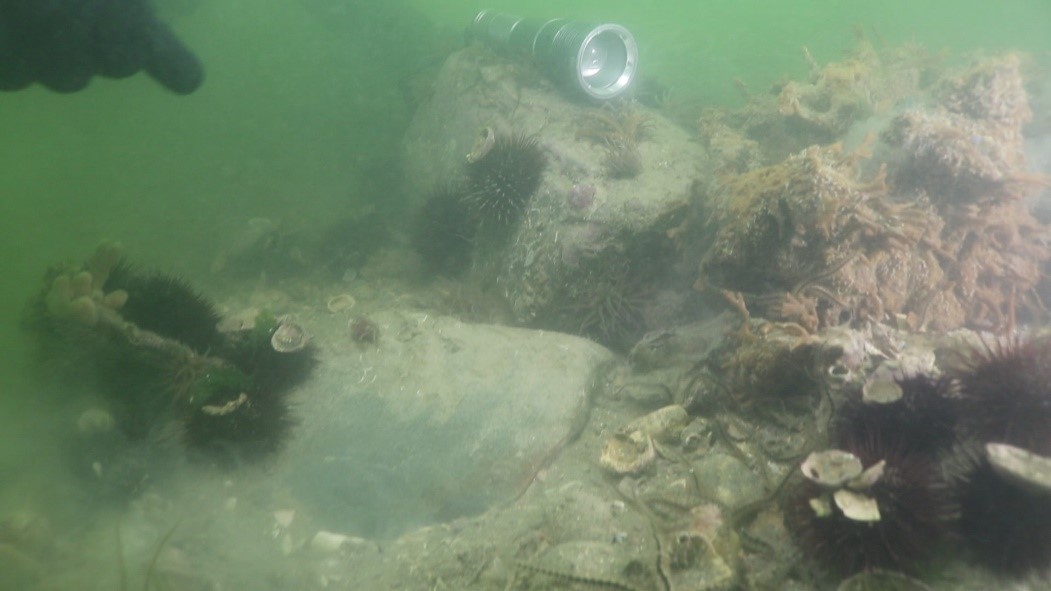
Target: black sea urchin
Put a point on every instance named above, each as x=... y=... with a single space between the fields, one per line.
x=1005 y=394
x=500 y=183
x=1006 y=526
x=923 y=418
x=238 y=424
x=167 y=305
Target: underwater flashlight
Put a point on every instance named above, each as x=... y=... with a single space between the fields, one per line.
x=596 y=59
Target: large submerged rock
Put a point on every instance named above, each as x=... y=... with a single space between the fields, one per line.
x=599 y=230
x=440 y=419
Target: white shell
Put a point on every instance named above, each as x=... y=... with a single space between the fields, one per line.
x=870 y=476
x=341 y=303
x=662 y=424
x=881 y=391
x=856 y=506
x=289 y=338
x=1020 y=466
x=628 y=453
x=821 y=506
x=832 y=468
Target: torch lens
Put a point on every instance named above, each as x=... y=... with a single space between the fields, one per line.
x=606 y=62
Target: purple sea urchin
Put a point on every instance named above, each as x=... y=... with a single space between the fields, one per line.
x=1005 y=394
x=1005 y=525
x=923 y=418
x=501 y=182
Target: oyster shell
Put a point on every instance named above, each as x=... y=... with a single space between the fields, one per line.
x=341 y=303
x=1024 y=468
x=289 y=338
x=628 y=453
x=856 y=506
x=832 y=468
x=663 y=424
x=483 y=144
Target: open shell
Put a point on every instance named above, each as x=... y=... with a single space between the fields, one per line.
x=482 y=145
x=856 y=506
x=289 y=338
x=628 y=453
x=832 y=468
x=1021 y=467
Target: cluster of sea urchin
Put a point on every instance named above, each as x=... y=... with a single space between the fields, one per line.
x=1005 y=402
x=160 y=359
x=895 y=515
x=968 y=454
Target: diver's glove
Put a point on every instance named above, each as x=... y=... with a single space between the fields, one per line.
x=63 y=43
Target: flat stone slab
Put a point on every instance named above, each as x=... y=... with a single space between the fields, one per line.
x=438 y=420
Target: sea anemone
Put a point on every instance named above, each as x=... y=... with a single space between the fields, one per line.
x=501 y=182
x=167 y=305
x=1005 y=394
x=1005 y=524
x=901 y=490
x=443 y=232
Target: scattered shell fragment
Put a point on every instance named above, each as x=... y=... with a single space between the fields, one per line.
x=832 y=468
x=1024 y=468
x=289 y=338
x=662 y=424
x=870 y=476
x=341 y=303
x=628 y=453
x=856 y=506
x=482 y=144
x=881 y=391
x=821 y=506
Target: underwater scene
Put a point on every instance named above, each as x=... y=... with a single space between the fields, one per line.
x=525 y=296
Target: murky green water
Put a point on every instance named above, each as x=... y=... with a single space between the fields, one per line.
x=301 y=116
